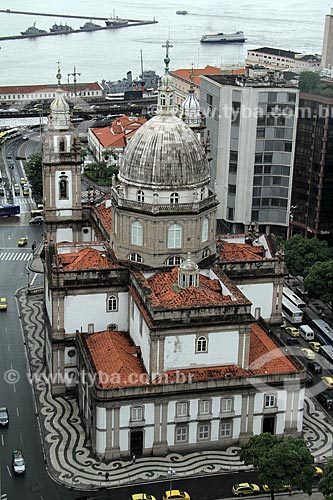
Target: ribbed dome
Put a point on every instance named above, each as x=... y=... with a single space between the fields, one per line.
x=191 y=110
x=60 y=115
x=164 y=152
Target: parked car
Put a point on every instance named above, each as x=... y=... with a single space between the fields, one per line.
x=241 y=489
x=326 y=399
x=18 y=462
x=315 y=346
x=22 y=241
x=328 y=381
x=22 y=181
x=2 y=191
x=176 y=495
x=4 y=417
x=142 y=496
x=284 y=487
x=314 y=367
x=292 y=331
x=3 y=304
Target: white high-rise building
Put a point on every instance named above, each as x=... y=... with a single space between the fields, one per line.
x=252 y=125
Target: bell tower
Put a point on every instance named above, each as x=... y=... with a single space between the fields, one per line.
x=61 y=174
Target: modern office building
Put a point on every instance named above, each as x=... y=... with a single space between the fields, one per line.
x=282 y=59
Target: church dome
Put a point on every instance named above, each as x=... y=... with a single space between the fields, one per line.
x=165 y=152
x=59 y=112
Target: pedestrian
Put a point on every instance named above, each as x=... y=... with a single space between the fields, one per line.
x=107 y=475
x=133 y=458
x=289 y=490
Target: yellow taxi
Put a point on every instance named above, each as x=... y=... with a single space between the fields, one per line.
x=176 y=495
x=284 y=487
x=142 y=496
x=3 y=304
x=317 y=471
x=328 y=381
x=315 y=346
x=26 y=191
x=308 y=353
x=292 y=331
x=22 y=241
x=22 y=181
x=240 y=489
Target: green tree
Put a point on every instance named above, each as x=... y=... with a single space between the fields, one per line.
x=279 y=461
x=326 y=482
x=34 y=171
x=319 y=282
x=301 y=254
x=309 y=81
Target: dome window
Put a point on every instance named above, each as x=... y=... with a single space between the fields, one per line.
x=174 y=198
x=140 y=196
x=135 y=257
x=175 y=236
x=137 y=233
x=204 y=229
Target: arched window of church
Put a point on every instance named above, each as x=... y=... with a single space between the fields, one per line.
x=204 y=229
x=174 y=198
x=137 y=233
x=202 y=344
x=140 y=196
x=175 y=236
x=174 y=261
x=112 y=303
x=162 y=97
x=63 y=189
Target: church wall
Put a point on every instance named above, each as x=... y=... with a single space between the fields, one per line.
x=48 y=298
x=139 y=332
x=180 y=350
x=68 y=202
x=81 y=310
x=261 y=295
x=64 y=234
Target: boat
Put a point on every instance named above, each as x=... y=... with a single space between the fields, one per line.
x=182 y=12
x=237 y=37
x=33 y=31
x=60 y=28
x=90 y=26
x=116 y=21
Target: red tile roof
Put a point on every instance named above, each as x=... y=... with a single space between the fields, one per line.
x=52 y=87
x=104 y=215
x=115 y=359
x=186 y=73
x=116 y=136
x=238 y=252
x=85 y=259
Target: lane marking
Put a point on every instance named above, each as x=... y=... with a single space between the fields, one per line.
x=10 y=474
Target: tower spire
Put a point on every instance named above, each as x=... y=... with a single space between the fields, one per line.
x=58 y=75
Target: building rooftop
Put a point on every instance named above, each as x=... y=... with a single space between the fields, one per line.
x=122 y=128
x=287 y=53
x=236 y=252
x=104 y=214
x=52 y=87
x=186 y=73
x=243 y=81
x=84 y=259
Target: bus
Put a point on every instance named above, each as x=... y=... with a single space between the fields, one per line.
x=9 y=210
x=292 y=297
x=291 y=312
x=9 y=134
x=323 y=331
x=327 y=352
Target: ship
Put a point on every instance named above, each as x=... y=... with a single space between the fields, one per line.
x=60 y=28
x=237 y=37
x=116 y=21
x=90 y=26
x=182 y=12
x=33 y=31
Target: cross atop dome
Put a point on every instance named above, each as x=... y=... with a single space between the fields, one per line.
x=165 y=94
x=167 y=46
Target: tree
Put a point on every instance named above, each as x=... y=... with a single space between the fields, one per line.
x=301 y=254
x=33 y=168
x=309 y=81
x=326 y=482
x=279 y=461
x=319 y=282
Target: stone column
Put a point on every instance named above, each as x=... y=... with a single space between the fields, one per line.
x=243 y=427
x=108 y=448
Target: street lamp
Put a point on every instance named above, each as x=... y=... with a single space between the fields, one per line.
x=171 y=473
x=291 y=218
x=28 y=274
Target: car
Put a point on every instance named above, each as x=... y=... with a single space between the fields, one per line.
x=18 y=462
x=3 y=304
x=26 y=192
x=24 y=138
x=309 y=379
x=328 y=381
x=314 y=367
x=36 y=220
x=284 y=487
x=240 y=489
x=293 y=341
x=176 y=495
x=292 y=331
x=142 y=496
x=309 y=354
x=76 y=108
x=22 y=241
x=4 y=417
x=317 y=471
x=22 y=181
x=315 y=346
x=326 y=399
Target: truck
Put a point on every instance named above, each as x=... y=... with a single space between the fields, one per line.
x=18 y=462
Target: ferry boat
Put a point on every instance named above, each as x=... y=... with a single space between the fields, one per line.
x=182 y=12
x=116 y=21
x=60 y=28
x=90 y=26
x=237 y=37
x=33 y=31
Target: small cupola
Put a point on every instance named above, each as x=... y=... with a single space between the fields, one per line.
x=188 y=273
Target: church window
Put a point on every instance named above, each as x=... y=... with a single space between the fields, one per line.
x=140 y=196
x=174 y=198
x=62 y=144
x=175 y=236
x=204 y=229
x=112 y=303
x=132 y=308
x=174 y=261
x=135 y=257
x=137 y=233
x=63 y=188
x=202 y=344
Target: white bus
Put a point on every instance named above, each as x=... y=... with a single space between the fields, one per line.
x=291 y=312
x=292 y=297
x=323 y=331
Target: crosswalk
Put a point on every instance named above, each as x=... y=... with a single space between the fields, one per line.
x=15 y=255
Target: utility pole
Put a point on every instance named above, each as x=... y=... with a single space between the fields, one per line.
x=74 y=75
